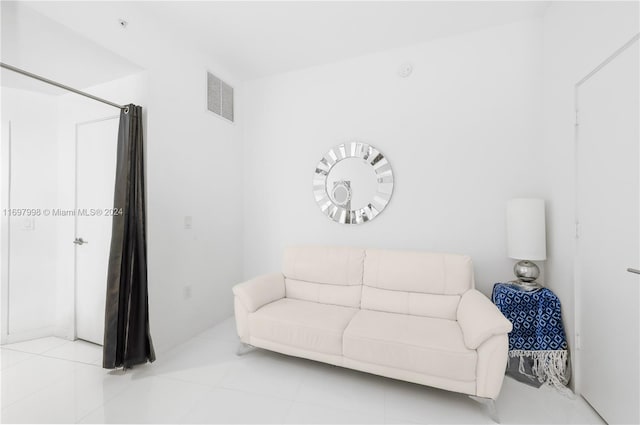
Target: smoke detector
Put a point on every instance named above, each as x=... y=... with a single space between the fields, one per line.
x=123 y=23
x=405 y=70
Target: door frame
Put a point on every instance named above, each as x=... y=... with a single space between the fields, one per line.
x=75 y=219
x=5 y=233
x=577 y=379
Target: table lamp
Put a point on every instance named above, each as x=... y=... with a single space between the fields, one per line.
x=526 y=239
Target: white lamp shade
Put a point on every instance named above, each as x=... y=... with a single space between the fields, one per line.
x=526 y=234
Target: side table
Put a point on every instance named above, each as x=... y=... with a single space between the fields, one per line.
x=538 y=351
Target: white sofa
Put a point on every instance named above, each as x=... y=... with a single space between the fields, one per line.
x=413 y=316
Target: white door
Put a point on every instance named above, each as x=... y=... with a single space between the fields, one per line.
x=608 y=213
x=96 y=147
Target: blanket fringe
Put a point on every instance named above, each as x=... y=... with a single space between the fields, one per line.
x=549 y=368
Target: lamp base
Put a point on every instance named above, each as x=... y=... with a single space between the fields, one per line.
x=526 y=273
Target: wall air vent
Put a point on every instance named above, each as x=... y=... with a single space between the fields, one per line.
x=219 y=97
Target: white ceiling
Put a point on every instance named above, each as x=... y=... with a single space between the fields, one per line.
x=255 y=39
x=35 y=43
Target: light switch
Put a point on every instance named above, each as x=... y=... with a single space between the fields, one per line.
x=187 y=222
x=29 y=223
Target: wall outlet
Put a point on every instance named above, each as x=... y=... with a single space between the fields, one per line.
x=186 y=292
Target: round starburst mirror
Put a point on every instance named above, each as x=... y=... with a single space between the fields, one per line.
x=353 y=183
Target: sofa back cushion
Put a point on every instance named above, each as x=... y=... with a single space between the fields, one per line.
x=418 y=283
x=328 y=275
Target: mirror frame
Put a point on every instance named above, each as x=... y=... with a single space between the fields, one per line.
x=384 y=176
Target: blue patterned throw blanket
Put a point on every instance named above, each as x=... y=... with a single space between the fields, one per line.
x=538 y=337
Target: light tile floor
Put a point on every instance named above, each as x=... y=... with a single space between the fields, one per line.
x=51 y=380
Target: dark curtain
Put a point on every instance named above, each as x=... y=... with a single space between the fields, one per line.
x=127 y=339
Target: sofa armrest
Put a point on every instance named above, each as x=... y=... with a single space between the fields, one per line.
x=479 y=319
x=260 y=290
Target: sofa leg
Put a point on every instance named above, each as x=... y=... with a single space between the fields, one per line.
x=490 y=405
x=243 y=348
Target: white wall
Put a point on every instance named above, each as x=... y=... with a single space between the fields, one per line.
x=29 y=127
x=194 y=168
x=462 y=134
x=577 y=37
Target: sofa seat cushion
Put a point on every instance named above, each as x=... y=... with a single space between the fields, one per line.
x=421 y=344
x=302 y=324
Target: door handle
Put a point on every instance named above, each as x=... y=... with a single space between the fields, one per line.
x=79 y=241
x=636 y=271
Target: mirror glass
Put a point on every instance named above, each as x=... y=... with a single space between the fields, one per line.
x=341 y=192
x=353 y=183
